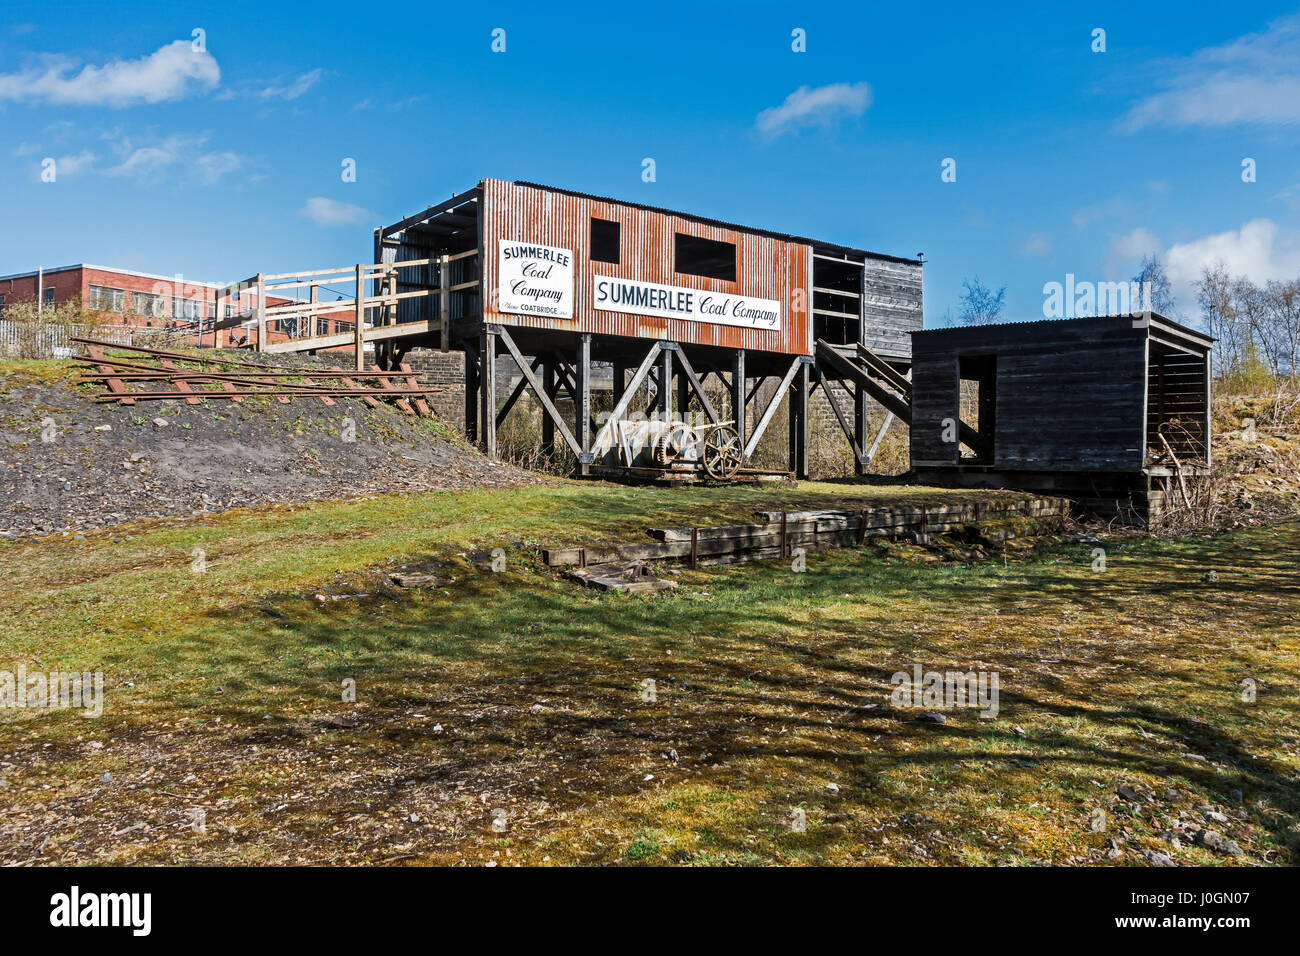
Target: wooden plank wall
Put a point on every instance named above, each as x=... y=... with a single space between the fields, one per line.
x=1070 y=395
x=892 y=305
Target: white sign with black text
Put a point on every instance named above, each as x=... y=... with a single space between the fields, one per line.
x=679 y=302
x=534 y=280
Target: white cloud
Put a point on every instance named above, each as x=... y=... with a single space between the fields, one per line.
x=1126 y=252
x=294 y=89
x=1252 y=79
x=169 y=73
x=809 y=106
x=180 y=151
x=331 y=212
x=73 y=165
x=1038 y=244
x=1258 y=250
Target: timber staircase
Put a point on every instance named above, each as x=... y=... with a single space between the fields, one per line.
x=861 y=366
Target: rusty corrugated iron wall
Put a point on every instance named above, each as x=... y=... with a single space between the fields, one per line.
x=766 y=267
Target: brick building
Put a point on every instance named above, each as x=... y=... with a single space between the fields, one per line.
x=126 y=297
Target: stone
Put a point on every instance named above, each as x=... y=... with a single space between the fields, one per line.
x=930 y=718
x=1156 y=858
x=1213 y=840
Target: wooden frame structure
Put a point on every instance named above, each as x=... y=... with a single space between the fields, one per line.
x=1113 y=411
x=771 y=316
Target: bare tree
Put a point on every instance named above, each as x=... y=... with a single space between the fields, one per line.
x=1153 y=278
x=1214 y=293
x=1281 y=323
x=978 y=304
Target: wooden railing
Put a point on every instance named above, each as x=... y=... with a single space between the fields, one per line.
x=308 y=319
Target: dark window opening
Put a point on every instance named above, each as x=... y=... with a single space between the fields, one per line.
x=705 y=257
x=604 y=241
x=978 y=382
x=836 y=329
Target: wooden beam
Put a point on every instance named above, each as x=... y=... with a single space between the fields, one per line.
x=664 y=397
x=359 y=333
x=620 y=408
x=487 y=415
x=548 y=420
x=467 y=196
x=582 y=407
x=827 y=356
x=471 y=393
x=261 y=314
x=849 y=430
x=692 y=379
x=738 y=393
x=799 y=431
x=771 y=409
x=540 y=391
x=515 y=394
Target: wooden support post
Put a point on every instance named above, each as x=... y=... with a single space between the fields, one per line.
x=548 y=423
x=261 y=313
x=540 y=391
x=360 y=336
x=444 y=302
x=860 y=425
x=738 y=394
x=216 y=317
x=314 y=297
x=799 y=445
x=582 y=406
x=487 y=416
x=620 y=379
x=683 y=387
x=665 y=396
x=471 y=393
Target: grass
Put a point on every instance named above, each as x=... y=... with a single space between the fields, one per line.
x=519 y=697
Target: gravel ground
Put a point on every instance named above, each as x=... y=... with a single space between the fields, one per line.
x=68 y=463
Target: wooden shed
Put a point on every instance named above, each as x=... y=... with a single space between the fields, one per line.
x=1113 y=411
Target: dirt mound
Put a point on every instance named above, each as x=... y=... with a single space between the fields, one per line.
x=68 y=463
x=1257 y=452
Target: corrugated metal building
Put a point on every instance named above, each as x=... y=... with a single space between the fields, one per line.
x=566 y=278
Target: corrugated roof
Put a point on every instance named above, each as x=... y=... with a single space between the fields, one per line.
x=723 y=224
x=1155 y=316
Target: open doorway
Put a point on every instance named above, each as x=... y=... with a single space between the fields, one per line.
x=977 y=375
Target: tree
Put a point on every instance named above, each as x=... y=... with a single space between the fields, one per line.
x=1281 y=325
x=1214 y=294
x=1152 y=278
x=978 y=304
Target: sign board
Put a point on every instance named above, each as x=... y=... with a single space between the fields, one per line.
x=534 y=280
x=679 y=302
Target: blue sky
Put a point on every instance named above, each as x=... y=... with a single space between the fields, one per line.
x=219 y=163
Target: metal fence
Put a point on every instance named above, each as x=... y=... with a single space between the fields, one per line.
x=42 y=340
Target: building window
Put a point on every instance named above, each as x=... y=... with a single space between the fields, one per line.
x=705 y=257
x=49 y=296
x=2 y=306
x=146 y=303
x=604 y=241
x=104 y=299
x=187 y=310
